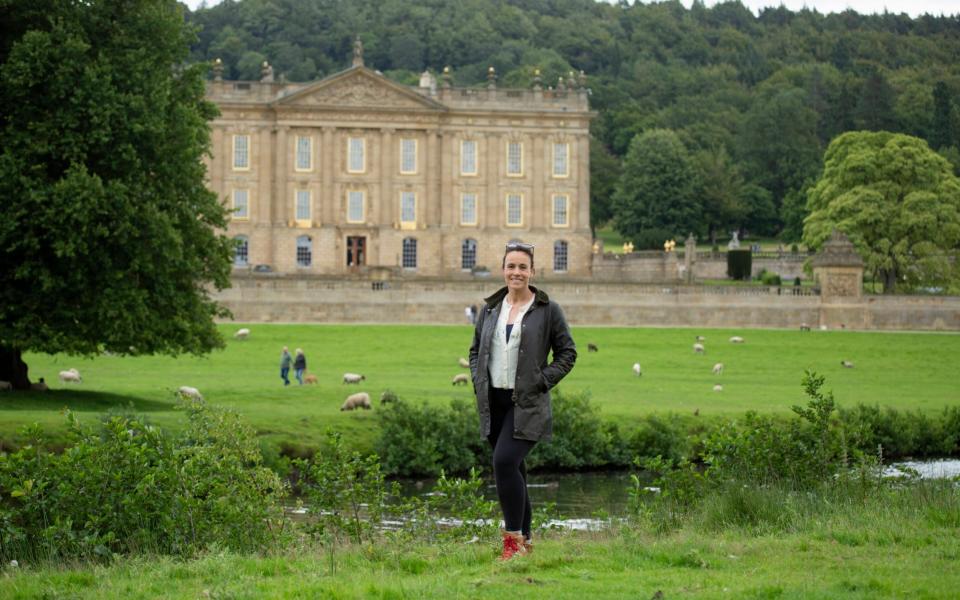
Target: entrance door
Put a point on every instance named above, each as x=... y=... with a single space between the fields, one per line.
x=356 y=251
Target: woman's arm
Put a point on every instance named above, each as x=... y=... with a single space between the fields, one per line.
x=563 y=346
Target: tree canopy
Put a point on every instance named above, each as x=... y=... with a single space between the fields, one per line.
x=896 y=199
x=108 y=234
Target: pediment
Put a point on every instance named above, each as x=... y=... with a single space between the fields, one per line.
x=359 y=88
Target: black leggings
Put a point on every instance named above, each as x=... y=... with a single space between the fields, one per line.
x=509 y=469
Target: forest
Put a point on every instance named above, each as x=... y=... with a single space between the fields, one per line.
x=739 y=107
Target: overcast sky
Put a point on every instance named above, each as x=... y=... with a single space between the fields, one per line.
x=913 y=8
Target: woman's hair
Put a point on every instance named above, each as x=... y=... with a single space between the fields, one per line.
x=517 y=247
x=299 y=351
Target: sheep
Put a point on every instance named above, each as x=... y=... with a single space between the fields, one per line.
x=592 y=348
x=353 y=378
x=804 y=327
x=637 y=370
x=823 y=328
x=189 y=393
x=463 y=363
x=388 y=396
x=6 y=386
x=700 y=339
x=242 y=334
x=461 y=379
x=39 y=386
x=70 y=376
x=310 y=378
x=846 y=364
x=698 y=348
x=736 y=340
x=718 y=369
x=358 y=400
x=718 y=388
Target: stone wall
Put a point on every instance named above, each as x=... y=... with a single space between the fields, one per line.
x=272 y=298
x=656 y=266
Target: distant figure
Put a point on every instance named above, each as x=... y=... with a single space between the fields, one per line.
x=473 y=314
x=468 y=312
x=734 y=242
x=285 y=361
x=299 y=365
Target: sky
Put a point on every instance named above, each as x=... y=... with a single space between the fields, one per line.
x=914 y=8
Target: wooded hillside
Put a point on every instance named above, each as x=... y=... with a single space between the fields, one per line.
x=754 y=100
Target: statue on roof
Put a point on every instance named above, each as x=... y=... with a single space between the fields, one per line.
x=357 y=52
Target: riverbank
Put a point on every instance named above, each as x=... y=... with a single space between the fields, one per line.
x=870 y=556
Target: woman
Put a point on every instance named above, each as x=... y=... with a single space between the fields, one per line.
x=299 y=365
x=515 y=332
x=285 y=361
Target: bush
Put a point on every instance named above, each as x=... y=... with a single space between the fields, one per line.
x=656 y=436
x=580 y=437
x=901 y=434
x=770 y=279
x=739 y=264
x=129 y=489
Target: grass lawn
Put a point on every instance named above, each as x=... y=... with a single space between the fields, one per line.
x=898 y=559
x=903 y=370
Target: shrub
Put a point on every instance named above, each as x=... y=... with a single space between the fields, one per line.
x=129 y=488
x=770 y=279
x=739 y=264
x=580 y=437
x=656 y=436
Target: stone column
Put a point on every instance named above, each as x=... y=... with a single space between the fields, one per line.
x=327 y=165
x=838 y=270
x=689 y=257
x=539 y=170
x=387 y=208
x=433 y=200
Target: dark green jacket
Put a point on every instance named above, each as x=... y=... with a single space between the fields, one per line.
x=544 y=328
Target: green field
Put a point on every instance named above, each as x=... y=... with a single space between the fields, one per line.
x=903 y=370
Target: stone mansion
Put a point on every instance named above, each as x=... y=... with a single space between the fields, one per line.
x=356 y=174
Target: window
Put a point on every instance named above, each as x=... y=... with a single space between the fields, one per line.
x=560 y=212
x=468 y=157
x=303 y=205
x=514 y=209
x=355 y=158
x=355 y=202
x=241 y=204
x=241 y=152
x=468 y=254
x=409 y=253
x=561 y=160
x=241 y=253
x=514 y=158
x=468 y=209
x=560 y=256
x=304 y=251
x=408 y=156
x=408 y=207
x=304 y=153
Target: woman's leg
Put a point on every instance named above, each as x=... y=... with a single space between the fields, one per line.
x=508 y=455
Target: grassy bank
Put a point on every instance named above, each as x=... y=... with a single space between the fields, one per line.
x=879 y=548
x=902 y=370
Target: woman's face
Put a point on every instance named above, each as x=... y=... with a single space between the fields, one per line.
x=517 y=271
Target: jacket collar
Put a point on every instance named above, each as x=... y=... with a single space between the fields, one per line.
x=539 y=297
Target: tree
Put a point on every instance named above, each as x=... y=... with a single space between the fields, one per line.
x=107 y=232
x=655 y=198
x=941 y=134
x=604 y=171
x=721 y=191
x=896 y=199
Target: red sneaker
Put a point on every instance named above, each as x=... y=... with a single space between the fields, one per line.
x=513 y=545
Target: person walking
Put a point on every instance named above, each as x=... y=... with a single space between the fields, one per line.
x=299 y=365
x=285 y=361
x=516 y=330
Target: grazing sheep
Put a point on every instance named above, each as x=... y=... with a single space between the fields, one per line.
x=804 y=327
x=39 y=386
x=461 y=379
x=736 y=340
x=189 y=393
x=718 y=369
x=846 y=364
x=388 y=396
x=70 y=376
x=592 y=348
x=310 y=379
x=698 y=348
x=358 y=400
x=718 y=388
x=637 y=370
x=463 y=363
x=353 y=378
x=823 y=328
x=242 y=334
x=700 y=339
x=6 y=386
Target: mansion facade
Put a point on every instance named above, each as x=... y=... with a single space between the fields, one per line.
x=356 y=174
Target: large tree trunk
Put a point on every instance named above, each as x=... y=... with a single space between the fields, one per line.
x=13 y=369
x=889 y=281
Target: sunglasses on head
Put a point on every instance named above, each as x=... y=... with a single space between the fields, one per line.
x=520 y=246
